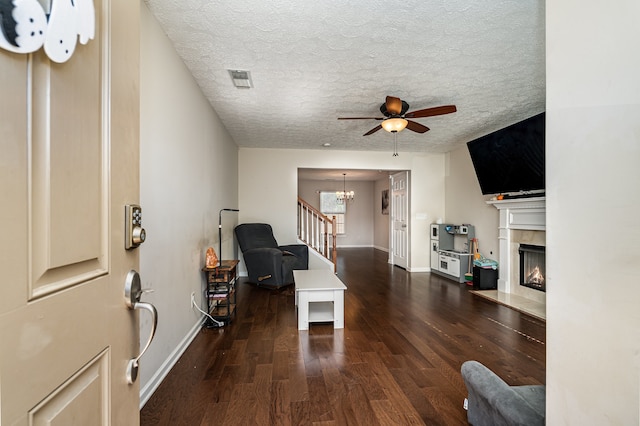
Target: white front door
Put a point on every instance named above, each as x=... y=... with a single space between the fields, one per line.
x=400 y=219
x=68 y=165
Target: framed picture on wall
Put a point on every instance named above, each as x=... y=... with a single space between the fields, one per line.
x=385 y=201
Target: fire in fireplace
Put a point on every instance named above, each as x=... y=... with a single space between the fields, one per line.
x=532 y=266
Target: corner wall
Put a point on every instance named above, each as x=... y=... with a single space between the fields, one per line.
x=188 y=172
x=380 y=221
x=593 y=200
x=466 y=204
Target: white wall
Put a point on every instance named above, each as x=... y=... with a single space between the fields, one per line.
x=466 y=204
x=427 y=184
x=593 y=200
x=268 y=188
x=189 y=172
x=380 y=221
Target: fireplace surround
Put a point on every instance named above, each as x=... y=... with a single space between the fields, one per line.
x=522 y=220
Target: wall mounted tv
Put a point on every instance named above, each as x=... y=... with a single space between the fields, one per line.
x=511 y=160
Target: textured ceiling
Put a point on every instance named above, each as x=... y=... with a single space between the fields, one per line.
x=337 y=174
x=312 y=62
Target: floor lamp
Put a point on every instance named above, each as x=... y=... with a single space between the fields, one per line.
x=220 y=230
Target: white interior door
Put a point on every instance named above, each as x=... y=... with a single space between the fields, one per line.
x=400 y=219
x=69 y=163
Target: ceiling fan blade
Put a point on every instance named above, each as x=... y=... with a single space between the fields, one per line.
x=375 y=129
x=394 y=105
x=430 y=112
x=359 y=118
x=416 y=127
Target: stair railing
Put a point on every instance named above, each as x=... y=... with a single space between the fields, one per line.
x=318 y=231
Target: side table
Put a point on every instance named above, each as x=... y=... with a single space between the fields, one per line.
x=220 y=291
x=319 y=297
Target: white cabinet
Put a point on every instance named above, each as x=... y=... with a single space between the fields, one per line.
x=435 y=256
x=450 y=266
x=453 y=265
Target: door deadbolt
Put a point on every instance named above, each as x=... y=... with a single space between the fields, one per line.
x=134 y=234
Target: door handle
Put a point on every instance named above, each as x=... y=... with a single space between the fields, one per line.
x=132 y=294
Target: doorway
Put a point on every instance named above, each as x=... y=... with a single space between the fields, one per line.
x=399 y=220
x=368 y=216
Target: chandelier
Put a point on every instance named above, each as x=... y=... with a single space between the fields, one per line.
x=344 y=195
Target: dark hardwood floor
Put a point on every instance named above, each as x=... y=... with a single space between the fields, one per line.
x=396 y=362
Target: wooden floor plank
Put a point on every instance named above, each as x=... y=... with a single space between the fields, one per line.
x=321 y=409
x=387 y=415
x=214 y=414
x=397 y=361
x=299 y=390
x=263 y=379
x=280 y=403
x=301 y=413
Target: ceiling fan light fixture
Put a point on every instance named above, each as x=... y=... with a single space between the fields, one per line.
x=396 y=124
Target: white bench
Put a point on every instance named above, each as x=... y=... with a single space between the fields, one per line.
x=319 y=297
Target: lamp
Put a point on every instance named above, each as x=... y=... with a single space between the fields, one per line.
x=394 y=125
x=344 y=195
x=220 y=230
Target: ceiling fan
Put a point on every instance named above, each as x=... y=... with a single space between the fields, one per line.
x=396 y=116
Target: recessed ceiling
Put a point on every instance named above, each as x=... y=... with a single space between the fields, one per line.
x=311 y=62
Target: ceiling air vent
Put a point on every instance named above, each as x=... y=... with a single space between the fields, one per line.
x=241 y=79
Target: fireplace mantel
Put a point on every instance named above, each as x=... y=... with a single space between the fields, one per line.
x=516 y=214
x=521 y=213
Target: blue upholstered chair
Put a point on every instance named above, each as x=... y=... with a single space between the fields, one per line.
x=492 y=402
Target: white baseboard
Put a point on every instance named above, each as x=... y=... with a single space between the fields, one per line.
x=150 y=387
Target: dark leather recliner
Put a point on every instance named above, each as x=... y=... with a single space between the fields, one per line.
x=268 y=263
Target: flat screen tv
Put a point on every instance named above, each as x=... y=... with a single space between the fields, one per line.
x=511 y=160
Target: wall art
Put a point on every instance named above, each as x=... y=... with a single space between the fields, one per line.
x=25 y=26
x=385 y=201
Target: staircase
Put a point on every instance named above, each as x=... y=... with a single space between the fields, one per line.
x=317 y=231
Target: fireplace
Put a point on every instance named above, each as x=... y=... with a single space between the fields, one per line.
x=532 y=266
x=521 y=221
